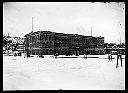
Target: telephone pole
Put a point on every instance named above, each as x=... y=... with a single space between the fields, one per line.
x=91 y=31
x=32 y=24
x=120 y=39
x=120 y=33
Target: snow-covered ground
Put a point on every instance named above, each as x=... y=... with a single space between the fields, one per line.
x=47 y=73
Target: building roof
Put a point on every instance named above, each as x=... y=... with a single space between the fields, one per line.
x=60 y=34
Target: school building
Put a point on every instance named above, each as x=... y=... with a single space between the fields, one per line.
x=49 y=43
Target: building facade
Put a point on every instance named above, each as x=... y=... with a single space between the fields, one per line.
x=49 y=43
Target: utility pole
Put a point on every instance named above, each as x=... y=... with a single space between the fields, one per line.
x=91 y=31
x=120 y=40
x=120 y=35
x=32 y=24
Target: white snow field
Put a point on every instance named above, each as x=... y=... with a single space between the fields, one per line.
x=47 y=73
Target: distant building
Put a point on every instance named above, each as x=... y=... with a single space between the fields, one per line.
x=18 y=40
x=13 y=43
x=19 y=43
x=49 y=43
x=114 y=47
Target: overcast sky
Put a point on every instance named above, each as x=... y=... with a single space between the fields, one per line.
x=104 y=19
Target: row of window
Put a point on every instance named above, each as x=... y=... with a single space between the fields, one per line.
x=63 y=39
x=60 y=45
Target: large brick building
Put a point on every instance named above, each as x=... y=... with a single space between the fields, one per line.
x=49 y=43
